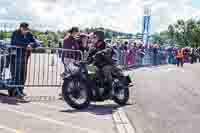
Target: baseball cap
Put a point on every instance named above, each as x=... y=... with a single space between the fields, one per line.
x=100 y=34
x=24 y=25
x=74 y=29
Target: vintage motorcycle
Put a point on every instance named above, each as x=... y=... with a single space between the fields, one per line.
x=83 y=86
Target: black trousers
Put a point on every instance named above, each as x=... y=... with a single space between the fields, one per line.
x=18 y=70
x=180 y=61
x=193 y=59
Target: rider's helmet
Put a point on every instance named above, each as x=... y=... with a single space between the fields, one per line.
x=100 y=35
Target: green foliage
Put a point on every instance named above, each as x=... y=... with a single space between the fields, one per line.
x=4 y=35
x=183 y=33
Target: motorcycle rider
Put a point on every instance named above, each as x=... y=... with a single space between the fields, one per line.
x=104 y=62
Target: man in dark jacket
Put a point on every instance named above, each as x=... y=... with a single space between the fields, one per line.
x=103 y=61
x=98 y=42
x=23 y=41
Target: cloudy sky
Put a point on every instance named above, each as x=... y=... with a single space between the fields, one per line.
x=120 y=15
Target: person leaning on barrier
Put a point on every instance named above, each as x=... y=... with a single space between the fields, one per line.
x=60 y=52
x=69 y=55
x=198 y=54
x=192 y=55
x=22 y=41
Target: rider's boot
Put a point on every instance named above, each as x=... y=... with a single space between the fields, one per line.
x=108 y=90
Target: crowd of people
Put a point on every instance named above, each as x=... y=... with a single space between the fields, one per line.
x=139 y=55
x=128 y=54
x=132 y=54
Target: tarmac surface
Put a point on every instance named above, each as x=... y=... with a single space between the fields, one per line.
x=164 y=99
x=167 y=99
x=46 y=112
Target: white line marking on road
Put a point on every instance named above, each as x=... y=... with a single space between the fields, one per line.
x=9 y=129
x=124 y=118
x=59 y=108
x=48 y=106
x=122 y=123
x=118 y=123
x=60 y=123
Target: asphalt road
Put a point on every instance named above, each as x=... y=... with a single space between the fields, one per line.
x=46 y=113
x=52 y=115
x=167 y=99
x=164 y=100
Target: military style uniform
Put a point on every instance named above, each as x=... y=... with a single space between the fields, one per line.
x=105 y=64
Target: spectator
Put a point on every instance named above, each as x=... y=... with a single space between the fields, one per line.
x=180 y=56
x=135 y=45
x=83 y=44
x=192 y=55
x=116 y=56
x=155 y=55
x=60 y=51
x=186 y=55
x=129 y=56
x=170 y=55
x=198 y=54
x=71 y=45
x=24 y=41
x=174 y=52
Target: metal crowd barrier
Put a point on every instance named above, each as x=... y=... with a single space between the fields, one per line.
x=40 y=67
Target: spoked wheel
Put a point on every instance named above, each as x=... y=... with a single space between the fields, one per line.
x=121 y=95
x=76 y=94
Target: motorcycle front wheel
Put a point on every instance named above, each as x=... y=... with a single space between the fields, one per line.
x=121 y=96
x=76 y=94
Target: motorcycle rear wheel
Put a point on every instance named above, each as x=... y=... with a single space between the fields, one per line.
x=71 y=94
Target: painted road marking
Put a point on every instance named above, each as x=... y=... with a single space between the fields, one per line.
x=166 y=70
x=9 y=129
x=157 y=69
x=48 y=106
x=42 y=118
x=175 y=69
x=60 y=108
x=122 y=123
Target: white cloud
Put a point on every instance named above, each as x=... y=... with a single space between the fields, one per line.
x=121 y=15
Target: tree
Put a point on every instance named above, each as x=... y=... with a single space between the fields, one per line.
x=183 y=33
x=157 y=39
x=171 y=33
